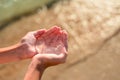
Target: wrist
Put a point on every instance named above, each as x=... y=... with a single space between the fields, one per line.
x=35 y=68
x=22 y=50
x=12 y=53
x=27 y=51
x=38 y=64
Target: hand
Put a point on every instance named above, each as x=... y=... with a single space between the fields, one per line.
x=52 y=47
x=29 y=40
x=52 y=50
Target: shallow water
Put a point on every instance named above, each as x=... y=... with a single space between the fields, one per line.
x=12 y=8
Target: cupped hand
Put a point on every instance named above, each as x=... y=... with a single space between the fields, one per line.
x=52 y=47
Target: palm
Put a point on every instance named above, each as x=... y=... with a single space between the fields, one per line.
x=53 y=41
x=53 y=44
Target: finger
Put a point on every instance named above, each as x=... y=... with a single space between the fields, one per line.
x=50 y=31
x=54 y=34
x=50 y=39
x=39 y=33
x=60 y=36
x=58 y=40
x=65 y=39
x=56 y=37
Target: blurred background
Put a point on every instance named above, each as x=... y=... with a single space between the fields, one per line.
x=94 y=36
